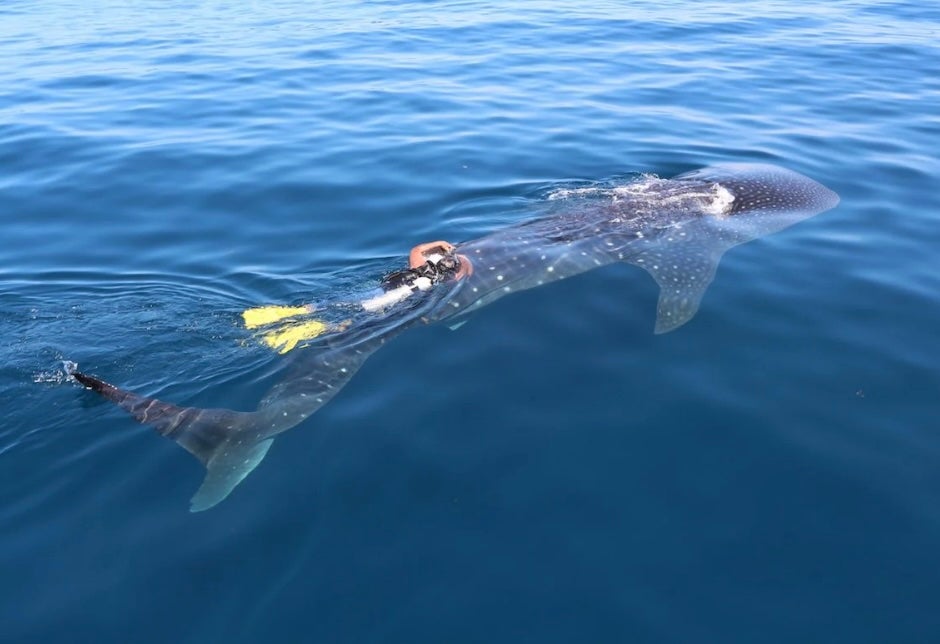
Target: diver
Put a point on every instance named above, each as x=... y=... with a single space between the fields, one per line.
x=428 y=265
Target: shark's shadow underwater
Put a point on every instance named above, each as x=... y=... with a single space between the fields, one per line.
x=676 y=229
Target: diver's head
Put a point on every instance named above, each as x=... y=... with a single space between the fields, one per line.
x=430 y=252
x=441 y=259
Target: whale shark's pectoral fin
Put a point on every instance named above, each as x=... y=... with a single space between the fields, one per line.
x=682 y=281
x=228 y=465
x=683 y=268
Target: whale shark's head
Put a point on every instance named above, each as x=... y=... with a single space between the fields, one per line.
x=758 y=199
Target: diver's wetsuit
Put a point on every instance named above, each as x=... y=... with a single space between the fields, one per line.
x=434 y=271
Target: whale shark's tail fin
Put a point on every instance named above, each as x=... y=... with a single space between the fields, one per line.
x=225 y=441
x=738 y=202
x=230 y=444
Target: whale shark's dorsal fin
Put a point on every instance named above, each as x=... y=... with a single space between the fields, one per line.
x=749 y=201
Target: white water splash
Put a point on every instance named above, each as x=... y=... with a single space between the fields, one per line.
x=713 y=199
x=56 y=376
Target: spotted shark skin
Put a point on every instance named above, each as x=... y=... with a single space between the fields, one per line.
x=676 y=229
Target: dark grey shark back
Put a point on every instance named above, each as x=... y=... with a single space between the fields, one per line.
x=677 y=230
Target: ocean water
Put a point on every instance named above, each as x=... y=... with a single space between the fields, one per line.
x=551 y=471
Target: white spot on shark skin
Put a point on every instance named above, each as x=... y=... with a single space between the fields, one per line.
x=499 y=278
x=551 y=269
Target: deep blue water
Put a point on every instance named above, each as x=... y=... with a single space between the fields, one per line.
x=551 y=471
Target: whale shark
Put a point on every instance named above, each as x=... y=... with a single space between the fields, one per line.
x=675 y=229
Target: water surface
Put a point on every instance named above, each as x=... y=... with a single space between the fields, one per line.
x=551 y=471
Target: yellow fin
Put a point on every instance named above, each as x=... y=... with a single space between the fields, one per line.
x=286 y=338
x=263 y=315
